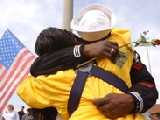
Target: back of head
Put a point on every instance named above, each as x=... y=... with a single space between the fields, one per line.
x=52 y=39
x=93 y=22
x=48 y=113
x=29 y=110
x=11 y=106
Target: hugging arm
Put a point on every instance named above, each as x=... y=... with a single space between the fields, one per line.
x=139 y=98
x=70 y=57
x=52 y=62
x=143 y=87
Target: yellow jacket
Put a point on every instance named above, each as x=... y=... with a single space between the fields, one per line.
x=53 y=90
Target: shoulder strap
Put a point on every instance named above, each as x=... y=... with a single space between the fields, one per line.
x=76 y=91
x=109 y=78
x=78 y=85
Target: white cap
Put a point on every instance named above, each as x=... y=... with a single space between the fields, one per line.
x=93 y=22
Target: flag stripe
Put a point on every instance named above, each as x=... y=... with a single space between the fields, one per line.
x=15 y=62
x=1 y=66
x=12 y=78
x=5 y=100
x=15 y=79
x=3 y=71
x=12 y=69
x=15 y=84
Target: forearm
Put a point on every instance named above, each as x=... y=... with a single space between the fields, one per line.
x=143 y=88
x=60 y=60
x=72 y=56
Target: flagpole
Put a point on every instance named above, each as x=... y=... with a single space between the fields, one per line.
x=67 y=14
x=149 y=65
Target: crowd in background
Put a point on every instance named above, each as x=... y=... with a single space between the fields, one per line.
x=11 y=114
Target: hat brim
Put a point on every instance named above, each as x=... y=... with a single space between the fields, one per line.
x=93 y=36
x=75 y=21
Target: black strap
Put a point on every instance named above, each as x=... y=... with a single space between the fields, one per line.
x=76 y=91
x=109 y=78
x=78 y=85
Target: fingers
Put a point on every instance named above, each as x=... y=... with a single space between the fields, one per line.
x=100 y=101
x=112 y=50
x=111 y=45
x=103 y=104
x=102 y=49
x=115 y=47
x=107 y=114
x=107 y=111
x=114 y=43
x=103 y=108
x=114 y=105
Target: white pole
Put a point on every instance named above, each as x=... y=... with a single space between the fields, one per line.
x=149 y=65
x=67 y=14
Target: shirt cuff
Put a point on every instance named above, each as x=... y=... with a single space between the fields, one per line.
x=138 y=102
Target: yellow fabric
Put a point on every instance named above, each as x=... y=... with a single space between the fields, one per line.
x=53 y=90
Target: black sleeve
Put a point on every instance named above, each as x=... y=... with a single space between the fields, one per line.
x=143 y=83
x=62 y=59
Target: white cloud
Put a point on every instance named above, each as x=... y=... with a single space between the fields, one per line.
x=27 y=18
x=154 y=62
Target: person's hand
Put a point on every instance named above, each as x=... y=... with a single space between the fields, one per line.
x=101 y=49
x=115 y=105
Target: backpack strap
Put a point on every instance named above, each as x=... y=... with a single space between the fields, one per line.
x=109 y=78
x=79 y=82
x=76 y=91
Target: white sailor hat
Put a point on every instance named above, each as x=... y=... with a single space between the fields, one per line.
x=93 y=22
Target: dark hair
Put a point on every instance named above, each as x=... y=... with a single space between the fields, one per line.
x=11 y=106
x=22 y=107
x=52 y=39
x=48 y=113
x=158 y=115
x=29 y=110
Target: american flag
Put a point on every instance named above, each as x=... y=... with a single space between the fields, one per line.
x=15 y=61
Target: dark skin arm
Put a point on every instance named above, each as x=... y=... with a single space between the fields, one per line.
x=101 y=49
x=64 y=59
x=115 y=105
x=143 y=83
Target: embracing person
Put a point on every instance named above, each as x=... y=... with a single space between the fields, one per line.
x=90 y=91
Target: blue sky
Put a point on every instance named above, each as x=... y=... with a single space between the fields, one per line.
x=26 y=18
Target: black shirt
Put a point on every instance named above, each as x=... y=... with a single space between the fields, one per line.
x=21 y=114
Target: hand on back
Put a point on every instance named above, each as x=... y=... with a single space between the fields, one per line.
x=102 y=49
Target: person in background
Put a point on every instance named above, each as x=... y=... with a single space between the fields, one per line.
x=155 y=116
x=1 y=115
x=28 y=115
x=49 y=113
x=10 y=114
x=21 y=112
x=117 y=94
